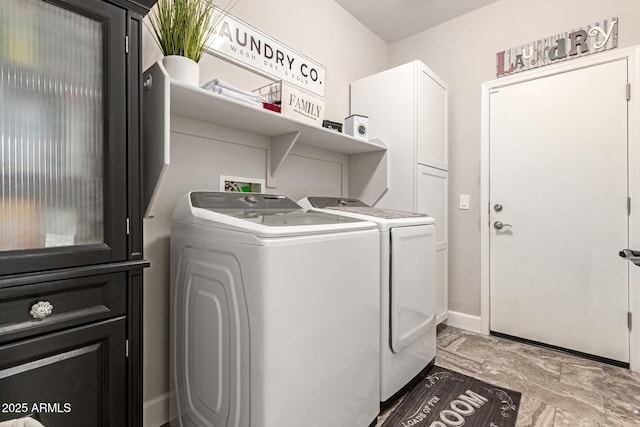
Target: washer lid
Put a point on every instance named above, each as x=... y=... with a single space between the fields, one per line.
x=356 y=206
x=265 y=214
x=379 y=212
x=225 y=201
x=330 y=202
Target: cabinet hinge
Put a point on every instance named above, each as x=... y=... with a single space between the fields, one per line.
x=628 y=205
x=629 y=319
x=126 y=348
x=126 y=44
x=628 y=91
x=128 y=227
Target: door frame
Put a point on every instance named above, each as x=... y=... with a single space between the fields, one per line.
x=632 y=54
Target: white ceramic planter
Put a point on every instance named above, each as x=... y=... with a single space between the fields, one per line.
x=182 y=69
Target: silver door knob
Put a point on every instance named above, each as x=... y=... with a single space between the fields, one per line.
x=498 y=225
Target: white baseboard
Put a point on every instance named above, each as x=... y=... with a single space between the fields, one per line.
x=441 y=317
x=465 y=321
x=155 y=412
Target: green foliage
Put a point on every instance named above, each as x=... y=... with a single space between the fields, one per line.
x=182 y=27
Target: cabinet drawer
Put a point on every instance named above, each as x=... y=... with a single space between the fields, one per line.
x=71 y=378
x=71 y=302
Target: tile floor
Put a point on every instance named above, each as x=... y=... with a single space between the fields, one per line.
x=557 y=389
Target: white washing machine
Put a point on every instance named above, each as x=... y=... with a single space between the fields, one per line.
x=274 y=319
x=407 y=289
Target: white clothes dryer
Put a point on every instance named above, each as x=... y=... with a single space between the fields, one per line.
x=273 y=317
x=407 y=289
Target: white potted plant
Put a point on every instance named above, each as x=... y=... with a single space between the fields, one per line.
x=181 y=29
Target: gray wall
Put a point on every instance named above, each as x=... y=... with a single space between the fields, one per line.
x=321 y=30
x=463 y=53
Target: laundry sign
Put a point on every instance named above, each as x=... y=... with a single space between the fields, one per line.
x=244 y=45
x=583 y=41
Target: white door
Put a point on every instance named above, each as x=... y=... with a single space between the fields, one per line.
x=558 y=169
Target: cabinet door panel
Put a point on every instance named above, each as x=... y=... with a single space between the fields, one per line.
x=432 y=121
x=433 y=200
x=73 y=378
x=62 y=184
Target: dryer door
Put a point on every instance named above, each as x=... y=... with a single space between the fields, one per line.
x=413 y=284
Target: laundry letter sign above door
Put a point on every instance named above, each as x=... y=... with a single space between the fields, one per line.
x=592 y=38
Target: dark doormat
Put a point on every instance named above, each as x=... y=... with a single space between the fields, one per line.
x=447 y=398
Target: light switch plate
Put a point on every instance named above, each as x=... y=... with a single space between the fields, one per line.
x=464 y=201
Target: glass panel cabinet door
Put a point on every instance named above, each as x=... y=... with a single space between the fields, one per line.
x=62 y=134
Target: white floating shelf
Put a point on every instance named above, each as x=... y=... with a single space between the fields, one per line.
x=199 y=104
x=164 y=97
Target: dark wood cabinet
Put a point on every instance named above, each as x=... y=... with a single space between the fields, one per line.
x=71 y=259
x=67 y=135
x=76 y=377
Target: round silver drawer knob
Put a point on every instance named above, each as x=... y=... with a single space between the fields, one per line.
x=41 y=309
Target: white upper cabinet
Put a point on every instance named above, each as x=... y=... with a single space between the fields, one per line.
x=407 y=108
x=389 y=100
